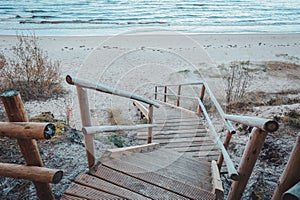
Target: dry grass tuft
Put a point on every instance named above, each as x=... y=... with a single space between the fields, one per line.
x=279 y=65
x=30 y=71
x=238 y=80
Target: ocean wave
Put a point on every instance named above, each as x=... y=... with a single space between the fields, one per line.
x=186 y=15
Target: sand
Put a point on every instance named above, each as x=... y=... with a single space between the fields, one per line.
x=136 y=62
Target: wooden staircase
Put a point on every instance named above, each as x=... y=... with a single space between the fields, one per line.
x=182 y=131
x=179 y=161
x=169 y=168
x=144 y=172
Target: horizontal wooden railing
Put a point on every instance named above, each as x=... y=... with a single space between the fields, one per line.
x=109 y=90
x=89 y=130
x=27 y=130
x=26 y=134
x=31 y=173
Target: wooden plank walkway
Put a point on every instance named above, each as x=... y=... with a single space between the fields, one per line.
x=170 y=170
x=183 y=132
x=154 y=174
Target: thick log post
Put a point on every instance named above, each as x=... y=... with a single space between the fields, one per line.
x=32 y=173
x=86 y=121
x=27 y=130
x=290 y=175
x=150 y=121
x=202 y=92
x=16 y=113
x=248 y=161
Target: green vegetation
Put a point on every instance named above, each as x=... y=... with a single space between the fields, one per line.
x=117 y=140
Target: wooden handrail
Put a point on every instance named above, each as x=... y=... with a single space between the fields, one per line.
x=102 y=88
x=219 y=108
x=182 y=84
x=31 y=173
x=142 y=108
x=264 y=124
x=27 y=130
x=233 y=174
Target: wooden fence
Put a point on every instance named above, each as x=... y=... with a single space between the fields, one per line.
x=89 y=130
x=26 y=134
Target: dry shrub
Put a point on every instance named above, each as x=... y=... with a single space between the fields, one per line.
x=291 y=118
x=238 y=80
x=30 y=71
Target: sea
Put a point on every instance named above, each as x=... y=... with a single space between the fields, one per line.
x=110 y=17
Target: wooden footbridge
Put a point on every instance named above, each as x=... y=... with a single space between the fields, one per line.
x=180 y=154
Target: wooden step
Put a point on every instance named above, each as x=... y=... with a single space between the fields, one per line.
x=155 y=178
x=107 y=187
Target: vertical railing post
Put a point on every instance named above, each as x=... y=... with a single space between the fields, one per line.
x=201 y=98
x=155 y=93
x=165 y=94
x=178 y=95
x=202 y=92
x=16 y=113
x=247 y=164
x=290 y=175
x=86 y=121
x=226 y=144
x=150 y=121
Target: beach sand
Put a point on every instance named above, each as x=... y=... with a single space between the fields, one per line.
x=137 y=62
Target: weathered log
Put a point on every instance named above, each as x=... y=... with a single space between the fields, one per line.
x=264 y=124
x=247 y=164
x=27 y=130
x=32 y=173
x=102 y=88
x=86 y=121
x=290 y=175
x=15 y=112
